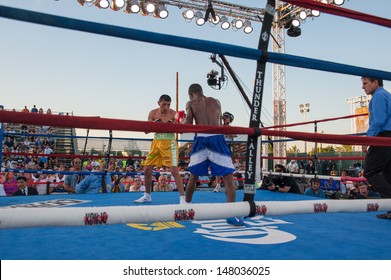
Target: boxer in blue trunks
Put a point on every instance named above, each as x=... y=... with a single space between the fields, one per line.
x=209 y=150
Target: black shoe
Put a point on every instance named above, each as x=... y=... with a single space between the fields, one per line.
x=385 y=215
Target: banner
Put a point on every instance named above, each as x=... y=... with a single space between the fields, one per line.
x=362 y=122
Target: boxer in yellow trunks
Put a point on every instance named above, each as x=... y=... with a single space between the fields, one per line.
x=164 y=150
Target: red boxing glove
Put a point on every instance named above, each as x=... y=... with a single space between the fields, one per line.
x=180 y=116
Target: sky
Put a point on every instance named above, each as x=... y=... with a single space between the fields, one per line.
x=95 y=75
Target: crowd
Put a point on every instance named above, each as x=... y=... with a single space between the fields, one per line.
x=346 y=188
x=29 y=140
x=147 y=176
x=323 y=167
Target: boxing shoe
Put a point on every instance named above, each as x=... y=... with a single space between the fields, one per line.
x=182 y=200
x=145 y=198
x=235 y=221
x=386 y=215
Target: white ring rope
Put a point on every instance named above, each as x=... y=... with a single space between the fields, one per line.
x=308 y=176
x=87 y=216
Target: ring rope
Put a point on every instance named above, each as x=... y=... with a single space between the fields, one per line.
x=309 y=176
x=187 y=43
x=12 y=217
x=6 y=133
x=317 y=121
x=143 y=157
x=128 y=125
x=340 y=11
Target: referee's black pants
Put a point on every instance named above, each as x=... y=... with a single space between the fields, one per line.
x=377 y=168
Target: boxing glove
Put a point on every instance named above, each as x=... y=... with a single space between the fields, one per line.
x=180 y=116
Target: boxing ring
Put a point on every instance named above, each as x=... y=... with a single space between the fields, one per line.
x=324 y=235
x=279 y=226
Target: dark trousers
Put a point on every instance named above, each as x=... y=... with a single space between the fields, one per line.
x=378 y=168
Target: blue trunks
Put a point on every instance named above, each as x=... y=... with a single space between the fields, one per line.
x=210 y=150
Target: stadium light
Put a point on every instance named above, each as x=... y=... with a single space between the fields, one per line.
x=188 y=14
x=247 y=27
x=82 y=2
x=117 y=5
x=132 y=7
x=102 y=4
x=339 y=2
x=161 y=12
x=224 y=23
x=237 y=23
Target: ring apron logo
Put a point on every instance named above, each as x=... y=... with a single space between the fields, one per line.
x=262 y=231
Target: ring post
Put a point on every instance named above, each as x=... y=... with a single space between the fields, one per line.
x=255 y=116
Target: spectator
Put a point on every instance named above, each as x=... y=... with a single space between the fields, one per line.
x=87 y=165
x=365 y=192
x=9 y=143
x=42 y=183
x=58 y=181
x=96 y=183
x=10 y=184
x=2 y=177
x=357 y=166
x=238 y=180
x=162 y=185
x=237 y=164
x=343 y=182
x=212 y=182
x=34 y=109
x=314 y=189
x=117 y=186
x=283 y=184
x=137 y=185
x=353 y=191
x=71 y=181
x=310 y=167
x=127 y=180
x=130 y=162
x=94 y=163
x=301 y=167
x=23 y=189
x=293 y=167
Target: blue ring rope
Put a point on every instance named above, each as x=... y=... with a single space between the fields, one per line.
x=187 y=43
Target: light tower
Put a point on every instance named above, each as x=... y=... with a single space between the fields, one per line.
x=359 y=105
x=304 y=109
x=279 y=87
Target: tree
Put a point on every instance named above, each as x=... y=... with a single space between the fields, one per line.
x=344 y=148
x=94 y=151
x=326 y=149
x=293 y=150
x=134 y=152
